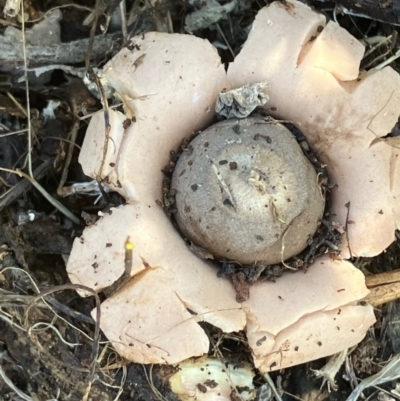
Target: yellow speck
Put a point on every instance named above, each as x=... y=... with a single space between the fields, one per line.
x=129 y=246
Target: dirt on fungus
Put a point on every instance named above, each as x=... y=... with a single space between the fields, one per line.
x=48 y=345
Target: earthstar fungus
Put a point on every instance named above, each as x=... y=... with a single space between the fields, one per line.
x=169 y=85
x=208 y=379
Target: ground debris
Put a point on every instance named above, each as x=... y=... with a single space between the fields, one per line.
x=241 y=102
x=54 y=355
x=37 y=342
x=11 y=56
x=210 y=13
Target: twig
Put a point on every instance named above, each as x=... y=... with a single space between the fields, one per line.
x=36 y=326
x=271 y=384
x=356 y=26
x=21 y=131
x=346 y=227
x=11 y=322
x=23 y=185
x=382 y=278
x=225 y=40
x=384 y=287
x=154 y=389
x=11 y=56
x=376 y=59
x=103 y=99
x=51 y=200
x=99 y=8
x=18 y=104
x=28 y=101
x=126 y=275
x=68 y=158
x=122 y=10
x=374 y=47
x=388 y=61
x=70 y=312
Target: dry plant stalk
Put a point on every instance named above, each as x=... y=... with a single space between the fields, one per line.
x=384 y=287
